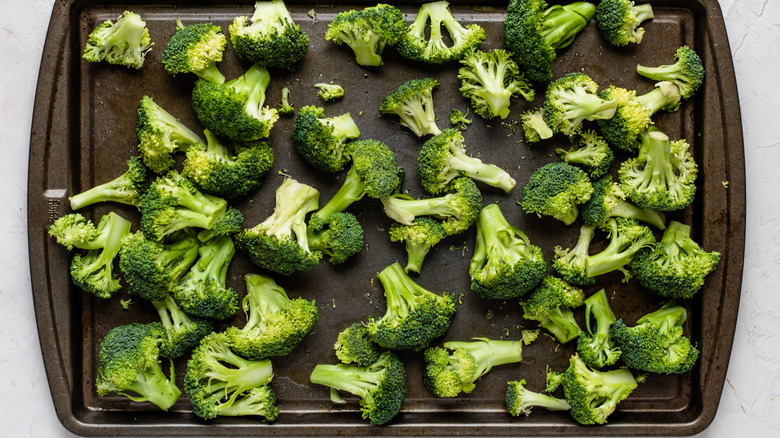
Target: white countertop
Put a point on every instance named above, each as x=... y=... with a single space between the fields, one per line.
x=748 y=406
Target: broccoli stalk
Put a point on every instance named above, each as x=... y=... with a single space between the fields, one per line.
x=286 y=108
x=323 y=141
x=687 y=73
x=595 y=346
x=412 y=101
x=520 y=400
x=367 y=31
x=182 y=331
x=626 y=238
x=572 y=99
x=195 y=49
x=608 y=200
x=619 y=21
x=665 y=96
x=551 y=304
x=535 y=128
x=489 y=80
x=572 y=264
x=434 y=50
x=160 y=135
x=125 y=42
x=419 y=237
x=127 y=188
x=272 y=39
x=593 y=395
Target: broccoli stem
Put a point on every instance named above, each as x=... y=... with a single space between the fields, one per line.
x=343 y=126
x=171 y=315
x=562 y=24
x=419 y=116
x=263 y=296
x=591 y=107
x=499 y=234
x=163 y=121
x=561 y=323
x=215 y=146
x=367 y=46
x=670 y=315
x=352 y=379
x=214 y=259
x=253 y=83
x=643 y=12
x=153 y=386
x=239 y=373
x=117 y=190
x=405 y=210
x=665 y=96
x=352 y=190
x=415 y=255
x=474 y=168
x=658 y=174
x=617 y=254
x=677 y=239
x=399 y=288
x=531 y=399
x=628 y=210
x=598 y=306
x=211 y=73
x=489 y=353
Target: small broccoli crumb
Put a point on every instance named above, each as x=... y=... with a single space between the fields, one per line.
x=125 y=303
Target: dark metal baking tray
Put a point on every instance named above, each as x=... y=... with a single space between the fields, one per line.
x=83 y=131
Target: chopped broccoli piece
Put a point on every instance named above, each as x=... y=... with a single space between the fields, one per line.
x=595 y=345
x=535 y=128
x=552 y=380
x=76 y=230
x=196 y=49
x=367 y=31
x=341 y=239
x=631 y=118
x=608 y=200
x=619 y=21
x=125 y=42
x=286 y=108
x=457 y=118
x=419 y=238
x=593 y=395
x=182 y=332
x=687 y=73
x=555 y=190
x=160 y=135
x=551 y=304
x=489 y=80
x=433 y=49
x=572 y=99
x=329 y=92
x=593 y=154
x=412 y=101
x=128 y=188
x=323 y=141
x=272 y=39
x=572 y=264
x=626 y=238
x=520 y=400
x=354 y=346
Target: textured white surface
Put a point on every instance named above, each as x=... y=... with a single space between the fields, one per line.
x=748 y=406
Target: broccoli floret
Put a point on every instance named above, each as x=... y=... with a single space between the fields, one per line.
x=656 y=343
x=129 y=365
x=551 y=304
x=552 y=380
x=626 y=238
x=619 y=21
x=125 y=42
x=662 y=177
x=572 y=99
x=341 y=239
x=455 y=367
x=127 y=188
x=430 y=46
x=676 y=266
x=219 y=382
x=572 y=264
x=535 y=128
x=608 y=200
x=228 y=169
x=593 y=395
x=687 y=73
x=457 y=118
x=234 y=109
x=520 y=400
x=631 y=118
x=533 y=32
x=280 y=243
x=323 y=141
x=286 y=108
x=443 y=158
x=195 y=49
x=272 y=39
x=182 y=331
x=489 y=80
x=367 y=31
x=595 y=345
x=76 y=230
x=329 y=92
x=354 y=346
x=593 y=154
x=505 y=264
x=458 y=210
x=412 y=101
x=275 y=323
x=381 y=386
x=160 y=135
x=415 y=316
x=419 y=238
x=556 y=189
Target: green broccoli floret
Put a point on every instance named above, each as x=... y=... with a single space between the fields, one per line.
x=234 y=109
x=520 y=400
x=76 y=230
x=457 y=210
x=631 y=118
x=552 y=380
x=286 y=108
x=421 y=44
x=280 y=243
x=619 y=21
x=595 y=346
x=381 y=386
x=593 y=154
x=228 y=169
x=129 y=365
x=457 y=118
x=415 y=316
x=182 y=332
x=443 y=158
x=275 y=323
x=354 y=346
x=367 y=31
x=533 y=32
x=676 y=266
x=662 y=177
x=656 y=343
x=125 y=42
x=272 y=39
x=608 y=200
x=323 y=141
x=221 y=383
x=489 y=80
x=412 y=101
x=505 y=264
x=127 y=188
x=455 y=367
x=195 y=49
x=551 y=304
x=329 y=92
x=535 y=128
x=419 y=238
x=593 y=395
x=341 y=238
x=556 y=189
x=572 y=99
x=626 y=238
x=160 y=135
x=687 y=73
x=572 y=264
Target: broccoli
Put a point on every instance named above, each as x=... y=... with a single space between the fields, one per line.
x=676 y=266
x=551 y=304
x=412 y=101
x=608 y=200
x=619 y=21
x=342 y=238
x=572 y=99
x=457 y=118
x=572 y=264
x=687 y=73
x=125 y=42
x=160 y=135
x=631 y=118
x=533 y=32
x=626 y=238
x=535 y=128
x=354 y=346
x=76 y=230
x=195 y=49
x=455 y=367
x=275 y=324
x=662 y=177
x=272 y=39
x=443 y=158
x=129 y=365
x=182 y=332
x=489 y=80
x=219 y=382
x=458 y=210
x=381 y=386
x=593 y=154
x=128 y=188
x=419 y=238
x=520 y=400
x=367 y=31
x=505 y=264
x=552 y=379
x=228 y=169
x=555 y=190
x=280 y=242
x=656 y=343
x=323 y=141
x=593 y=395
x=202 y=291
x=415 y=316
x=329 y=92
x=433 y=49
x=595 y=346
x=286 y=108
x=234 y=109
